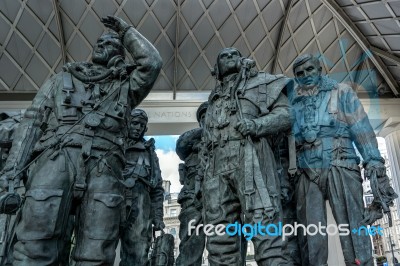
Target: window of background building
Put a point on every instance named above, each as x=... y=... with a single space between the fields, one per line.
x=172 y=212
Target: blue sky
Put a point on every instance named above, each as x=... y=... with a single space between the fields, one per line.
x=165 y=143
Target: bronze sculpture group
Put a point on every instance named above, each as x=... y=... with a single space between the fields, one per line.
x=79 y=151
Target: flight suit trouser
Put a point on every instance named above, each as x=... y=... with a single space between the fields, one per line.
x=345 y=195
x=225 y=203
x=191 y=247
x=137 y=232
x=49 y=199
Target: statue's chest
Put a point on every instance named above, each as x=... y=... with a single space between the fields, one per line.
x=103 y=104
x=312 y=113
x=224 y=108
x=138 y=163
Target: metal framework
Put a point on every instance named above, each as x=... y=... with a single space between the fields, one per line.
x=280 y=38
x=362 y=42
x=388 y=56
x=56 y=8
x=349 y=36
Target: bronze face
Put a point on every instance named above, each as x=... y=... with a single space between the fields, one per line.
x=227 y=61
x=137 y=128
x=106 y=47
x=308 y=74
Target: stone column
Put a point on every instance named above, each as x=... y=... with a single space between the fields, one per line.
x=391 y=132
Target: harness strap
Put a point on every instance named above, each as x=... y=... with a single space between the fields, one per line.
x=253 y=176
x=312 y=175
x=68 y=88
x=333 y=106
x=248 y=178
x=292 y=155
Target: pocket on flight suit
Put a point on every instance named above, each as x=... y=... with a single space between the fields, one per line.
x=41 y=213
x=212 y=202
x=104 y=213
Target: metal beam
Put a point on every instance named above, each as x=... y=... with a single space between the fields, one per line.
x=56 y=8
x=176 y=50
x=384 y=54
x=289 y=6
x=338 y=12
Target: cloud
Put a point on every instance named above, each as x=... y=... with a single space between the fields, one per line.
x=169 y=162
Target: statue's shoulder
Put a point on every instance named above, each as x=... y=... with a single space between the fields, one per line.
x=57 y=75
x=329 y=84
x=191 y=134
x=346 y=94
x=275 y=84
x=344 y=88
x=150 y=144
x=57 y=80
x=49 y=88
x=267 y=88
x=261 y=78
x=53 y=79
